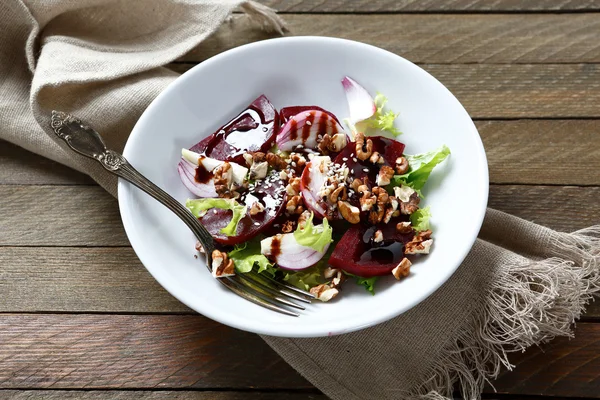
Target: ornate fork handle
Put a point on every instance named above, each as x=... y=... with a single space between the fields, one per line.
x=87 y=141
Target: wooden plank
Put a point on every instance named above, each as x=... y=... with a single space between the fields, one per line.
x=140 y=352
x=516 y=91
x=558 y=152
x=439 y=39
x=387 y=6
x=182 y=352
x=88 y=216
x=570 y=155
x=154 y=395
x=59 y=216
x=19 y=166
x=563 y=367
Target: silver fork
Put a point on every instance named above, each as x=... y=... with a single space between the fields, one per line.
x=259 y=289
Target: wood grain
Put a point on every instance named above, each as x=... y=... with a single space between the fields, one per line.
x=59 y=216
x=21 y=167
x=517 y=91
x=438 y=39
x=386 y=6
x=562 y=367
x=179 y=352
x=144 y=352
x=155 y=395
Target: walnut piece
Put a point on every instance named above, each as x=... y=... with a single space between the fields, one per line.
x=403 y=269
x=293 y=187
x=378 y=211
x=401 y=165
x=200 y=248
x=403 y=192
x=349 y=212
x=294 y=205
x=324 y=292
x=324 y=144
x=297 y=162
x=338 y=142
x=256 y=208
x=404 y=227
x=338 y=193
x=288 y=226
x=410 y=206
x=378 y=236
x=221 y=265
x=363 y=149
x=223 y=180
x=391 y=210
x=420 y=244
x=329 y=272
x=376 y=158
x=385 y=175
x=275 y=161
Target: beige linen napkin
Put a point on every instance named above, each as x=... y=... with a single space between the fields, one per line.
x=102 y=60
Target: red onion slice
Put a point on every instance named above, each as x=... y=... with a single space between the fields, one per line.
x=290 y=254
x=360 y=102
x=306 y=129
x=186 y=174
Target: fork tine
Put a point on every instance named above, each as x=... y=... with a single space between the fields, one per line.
x=265 y=291
x=238 y=289
x=285 y=285
x=273 y=292
x=268 y=285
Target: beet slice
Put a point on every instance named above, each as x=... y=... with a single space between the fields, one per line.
x=288 y=112
x=254 y=129
x=270 y=192
x=356 y=253
x=389 y=149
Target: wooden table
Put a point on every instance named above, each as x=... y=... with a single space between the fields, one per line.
x=81 y=317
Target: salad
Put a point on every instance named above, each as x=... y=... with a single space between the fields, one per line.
x=296 y=195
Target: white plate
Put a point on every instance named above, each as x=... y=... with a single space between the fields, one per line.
x=303 y=71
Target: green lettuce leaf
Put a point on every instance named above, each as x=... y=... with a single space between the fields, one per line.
x=306 y=278
x=368 y=283
x=317 y=237
x=198 y=207
x=246 y=255
x=420 y=167
x=420 y=219
x=381 y=120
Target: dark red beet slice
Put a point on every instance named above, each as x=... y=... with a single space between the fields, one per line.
x=356 y=253
x=388 y=148
x=288 y=112
x=254 y=129
x=270 y=193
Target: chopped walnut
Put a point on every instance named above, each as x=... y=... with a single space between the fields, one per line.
x=376 y=158
x=420 y=244
x=378 y=236
x=404 y=227
x=367 y=201
x=221 y=265
x=223 y=180
x=410 y=206
x=294 y=205
x=297 y=162
x=257 y=208
x=338 y=193
x=384 y=176
x=391 y=210
x=363 y=149
x=200 y=248
x=324 y=144
x=401 y=165
x=324 y=292
x=293 y=187
x=259 y=170
x=349 y=212
x=376 y=214
x=258 y=157
x=303 y=218
x=337 y=280
x=288 y=226
x=338 y=142
x=329 y=272
x=403 y=192
x=275 y=161
x=356 y=183
x=402 y=269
